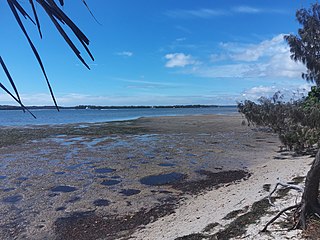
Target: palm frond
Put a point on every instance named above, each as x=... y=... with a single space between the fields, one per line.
x=4 y=67
x=36 y=17
x=59 y=19
x=85 y=3
x=17 y=100
x=35 y=52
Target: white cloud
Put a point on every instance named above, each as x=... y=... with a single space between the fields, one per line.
x=288 y=92
x=253 y=52
x=255 y=93
x=180 y=39
x=217 y=57
x=179 y=60
x=125 y=54
x=269 y=59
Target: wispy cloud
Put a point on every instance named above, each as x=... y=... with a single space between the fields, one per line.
x=74 y=99
x=199 y=13
x=206 y=13
x=125 y=54
x=179 y=60
x=246 y=9
x=143 y=84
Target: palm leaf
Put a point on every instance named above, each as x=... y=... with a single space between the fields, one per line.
x=4 y=67
x=85 y=3
x=17 y=100
x=63 y=18
x=36 y=17
x=59 y=18
x=22 y=11
x=15 y=13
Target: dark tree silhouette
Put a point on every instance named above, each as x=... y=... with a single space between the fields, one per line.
x=305 y=47
x=60 y=21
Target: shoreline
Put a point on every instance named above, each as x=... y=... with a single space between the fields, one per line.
x=208 y=214
x=73 y=158
x=15 y=118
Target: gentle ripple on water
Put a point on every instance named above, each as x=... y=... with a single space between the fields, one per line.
x=65 y=116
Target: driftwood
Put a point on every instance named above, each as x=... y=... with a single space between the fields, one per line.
x=309 y=204
x=285 y=186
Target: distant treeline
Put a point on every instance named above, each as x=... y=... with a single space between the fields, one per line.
x=9 y=107
x=122 y=107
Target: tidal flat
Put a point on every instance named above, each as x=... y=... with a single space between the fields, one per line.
x=105 y=180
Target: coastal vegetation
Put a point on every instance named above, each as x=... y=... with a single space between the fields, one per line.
x=297 y=122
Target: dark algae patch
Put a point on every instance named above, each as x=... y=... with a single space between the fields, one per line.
x=162 y=179
x=16 y=136
x=63 y=189
x=12 y=199
x=266 y=187
x=210 y=227
x=212 y=179
x=101 y=202
x=74 y=199
x=60 y=209
x=110 y=182
x=104 y=170
x=238 y=226
x=89 y=225
x=235 y=213
x=130 y=192
x=193 y=236
x=297 y=180
x=166 y=164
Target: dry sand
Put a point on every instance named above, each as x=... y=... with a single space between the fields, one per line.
x=197 y=212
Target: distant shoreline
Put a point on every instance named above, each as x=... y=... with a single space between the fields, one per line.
x=79 y=107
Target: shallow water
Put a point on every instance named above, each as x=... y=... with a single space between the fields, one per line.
x=116 y=174
x=65 y=116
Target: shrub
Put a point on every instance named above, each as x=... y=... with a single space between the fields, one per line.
x=297 y=122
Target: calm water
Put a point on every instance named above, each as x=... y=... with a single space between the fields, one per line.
x=18 y=118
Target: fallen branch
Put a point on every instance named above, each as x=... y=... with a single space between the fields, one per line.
x=278 y=215
x=286 y=186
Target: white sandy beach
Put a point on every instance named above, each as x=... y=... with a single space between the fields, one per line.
x=197 y=212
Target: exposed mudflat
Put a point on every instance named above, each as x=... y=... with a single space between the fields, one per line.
x=90 y=181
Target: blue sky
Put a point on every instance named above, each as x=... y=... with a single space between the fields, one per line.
x=152 y=52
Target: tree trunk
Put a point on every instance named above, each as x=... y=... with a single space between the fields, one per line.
x=310 y=203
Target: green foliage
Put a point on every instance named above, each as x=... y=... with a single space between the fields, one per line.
x=305 y=46
x=296 y=122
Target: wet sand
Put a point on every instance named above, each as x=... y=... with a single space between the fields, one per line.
x=90 y=181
